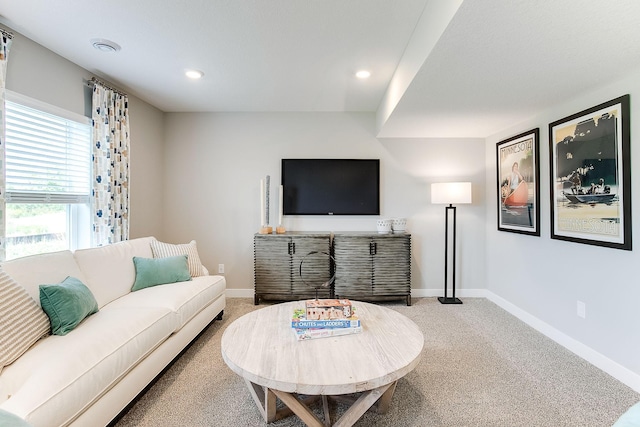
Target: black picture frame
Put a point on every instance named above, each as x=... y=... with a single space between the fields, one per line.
x=590 y=176
x=518 y=183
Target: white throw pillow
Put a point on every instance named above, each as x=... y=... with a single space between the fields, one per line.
x=22 y=321
x=163 y=250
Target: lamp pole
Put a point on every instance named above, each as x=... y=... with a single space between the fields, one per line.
x=449 y=193
x=453 y=299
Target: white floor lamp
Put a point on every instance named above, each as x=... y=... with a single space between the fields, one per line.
x=450 y=193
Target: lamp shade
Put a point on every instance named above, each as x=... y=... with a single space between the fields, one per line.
x=451 y=193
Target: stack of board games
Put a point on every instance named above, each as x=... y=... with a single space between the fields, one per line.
x=323 y=318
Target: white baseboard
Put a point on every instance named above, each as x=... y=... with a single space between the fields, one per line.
x=239 y=293
x=461 y=293
x=609 y=366
x=418 y=293
x=602 y=362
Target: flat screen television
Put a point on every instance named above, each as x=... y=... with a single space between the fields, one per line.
x=331 y=186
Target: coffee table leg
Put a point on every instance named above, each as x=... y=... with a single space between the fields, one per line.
x=383 y=404
x=361 y=405
x=299 y=408
x=325 y=407
x=265 y=400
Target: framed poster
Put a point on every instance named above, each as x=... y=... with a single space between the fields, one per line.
x=518 y=172
x=591 y=176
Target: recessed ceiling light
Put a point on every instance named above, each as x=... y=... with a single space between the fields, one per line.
x=363 y=74
x=104 y=45
x=194 y=74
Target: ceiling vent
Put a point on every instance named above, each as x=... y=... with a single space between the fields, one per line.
x=105 y=45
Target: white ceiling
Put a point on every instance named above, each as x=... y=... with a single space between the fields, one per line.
x=449 y=68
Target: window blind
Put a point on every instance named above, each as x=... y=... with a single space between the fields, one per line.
x=48 y=158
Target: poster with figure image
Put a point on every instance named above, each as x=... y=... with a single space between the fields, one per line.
x=591 y=176
x=518 y=173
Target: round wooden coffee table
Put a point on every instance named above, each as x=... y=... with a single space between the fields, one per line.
x=261 y=347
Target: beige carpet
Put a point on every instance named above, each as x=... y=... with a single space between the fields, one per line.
x=480 y=367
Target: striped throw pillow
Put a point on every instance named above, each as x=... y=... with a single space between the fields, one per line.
x=163 y=250
x=22 y=321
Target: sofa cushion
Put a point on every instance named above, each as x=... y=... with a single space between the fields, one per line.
x=22 y=321
x=184 y=299
x=61 y=376
x=161 y=250
x=109 y=270
x=160 y=271
x=67 y=304
x=32 y=271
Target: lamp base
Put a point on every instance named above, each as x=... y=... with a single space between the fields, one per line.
x=449 y=300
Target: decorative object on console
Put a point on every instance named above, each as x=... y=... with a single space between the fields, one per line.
x=280 y=228
x=384 y=226
x=450 y=193
x=264 y=206
x=314 y=259
x=399 y=225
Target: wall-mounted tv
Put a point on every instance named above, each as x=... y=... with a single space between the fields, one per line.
x=331 y=186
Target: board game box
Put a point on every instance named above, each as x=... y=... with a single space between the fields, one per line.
x=328 y=309
x=311 y=333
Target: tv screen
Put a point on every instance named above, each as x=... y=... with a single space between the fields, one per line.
x=331 y=186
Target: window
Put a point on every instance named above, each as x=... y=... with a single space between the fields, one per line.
x=48 y=178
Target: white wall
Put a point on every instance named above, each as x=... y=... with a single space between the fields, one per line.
x=214 y=163
x=545 y=278
x=38 y=73
x=146 y=174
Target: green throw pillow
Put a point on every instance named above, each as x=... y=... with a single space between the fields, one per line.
x=160 y=271
x=7 y=419
x=67 y=304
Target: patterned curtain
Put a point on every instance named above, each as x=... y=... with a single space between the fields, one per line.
x=110 y=165
x=5 y=44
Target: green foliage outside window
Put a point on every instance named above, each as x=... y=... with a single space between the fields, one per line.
x=35 y=228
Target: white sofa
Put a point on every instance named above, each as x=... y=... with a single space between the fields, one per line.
x=87 y=377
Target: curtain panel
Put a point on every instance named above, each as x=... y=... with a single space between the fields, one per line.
x=110 y=192
x=5 y=44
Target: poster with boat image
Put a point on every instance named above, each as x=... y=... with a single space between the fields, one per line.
x=591 y=176
x=518 y=172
